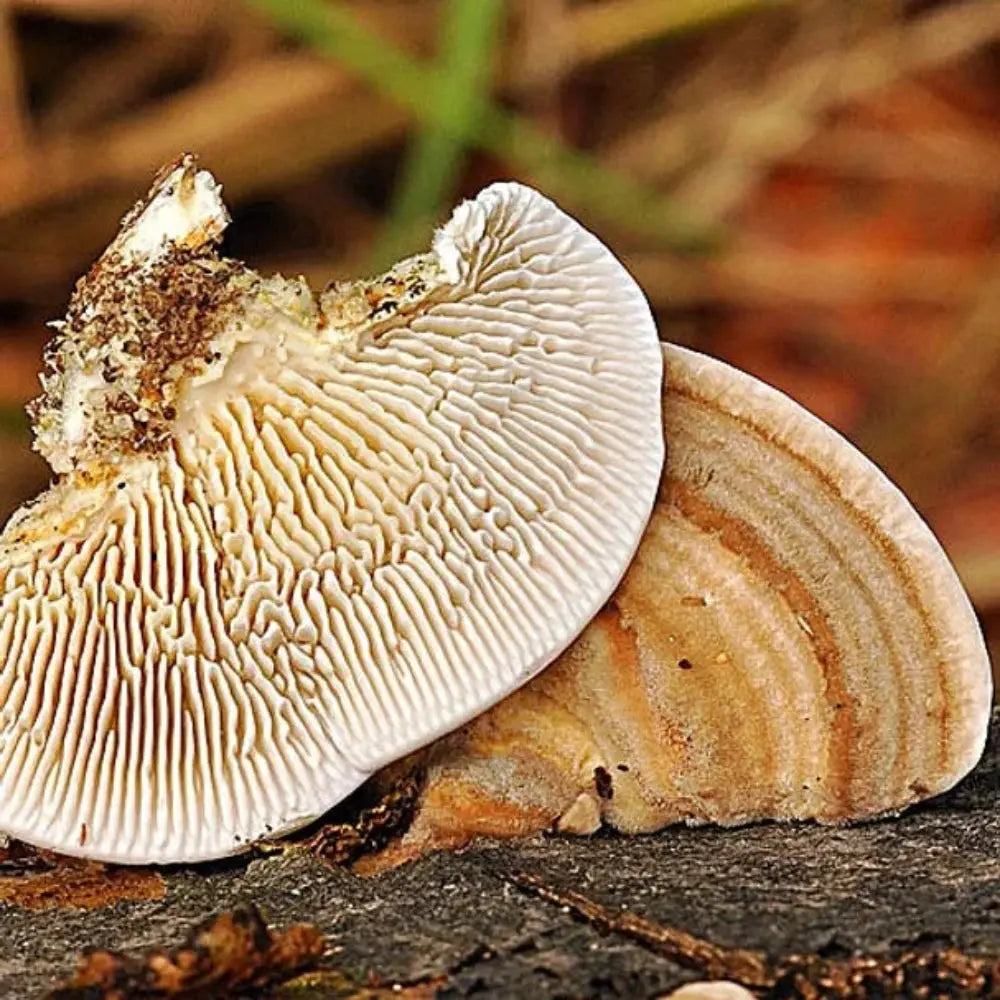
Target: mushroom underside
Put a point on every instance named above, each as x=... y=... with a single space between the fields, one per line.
x=789 y=643
x=296 y=537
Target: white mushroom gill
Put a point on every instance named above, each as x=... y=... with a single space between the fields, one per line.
x=295 y=538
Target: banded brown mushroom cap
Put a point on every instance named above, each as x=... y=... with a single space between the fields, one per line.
x=790 y=642
x=295 y=538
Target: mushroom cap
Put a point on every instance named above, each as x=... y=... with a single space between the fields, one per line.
x=295 y=538
x=790 y=642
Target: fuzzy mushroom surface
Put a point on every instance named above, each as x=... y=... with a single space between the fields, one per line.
x=790 y=642
x=295 y=536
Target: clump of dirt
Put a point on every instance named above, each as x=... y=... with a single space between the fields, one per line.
x=136 y=330
x=370 y=820
x=231 y=950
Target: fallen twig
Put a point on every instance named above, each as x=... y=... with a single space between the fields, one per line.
x=945 y=972
x=747 y=967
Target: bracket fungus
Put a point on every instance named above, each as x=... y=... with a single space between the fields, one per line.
x=790 y=642
x=295 y=537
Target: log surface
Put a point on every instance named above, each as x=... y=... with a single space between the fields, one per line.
x=454 y=925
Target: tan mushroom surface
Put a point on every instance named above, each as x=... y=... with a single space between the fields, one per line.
x=714 y=989
x=293 y=536
x=790 y=642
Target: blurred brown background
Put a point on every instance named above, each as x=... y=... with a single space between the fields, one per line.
x=808 y=189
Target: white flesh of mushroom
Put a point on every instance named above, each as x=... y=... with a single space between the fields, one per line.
x=294 y=539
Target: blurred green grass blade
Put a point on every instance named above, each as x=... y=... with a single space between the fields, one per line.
x=469 y=33
x=568 y=175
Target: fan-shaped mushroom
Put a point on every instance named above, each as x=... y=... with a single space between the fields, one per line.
x=293 y=539
x=789 y=642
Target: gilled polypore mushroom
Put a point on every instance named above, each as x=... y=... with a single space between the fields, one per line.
x=294 y=538
x=790 y=642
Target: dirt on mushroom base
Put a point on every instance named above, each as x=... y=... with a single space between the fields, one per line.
x=377 y=814
x=142 y=328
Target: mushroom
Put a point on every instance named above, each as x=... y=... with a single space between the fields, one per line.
x=712 y=989
x=295 y=537
x=790 y=642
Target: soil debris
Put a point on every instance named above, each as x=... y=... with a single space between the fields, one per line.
x=374 y=826
x=231 y=950
x=17 y=856
x=42 y=880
